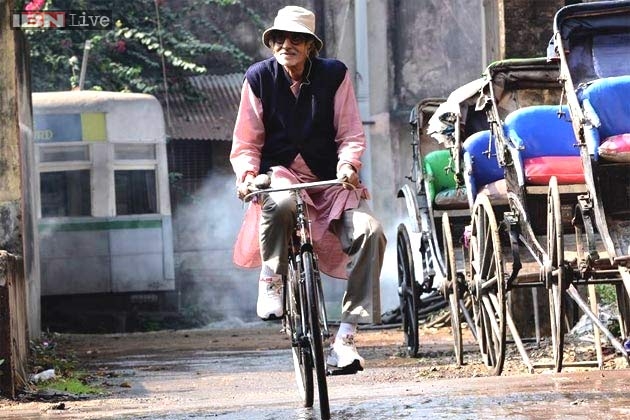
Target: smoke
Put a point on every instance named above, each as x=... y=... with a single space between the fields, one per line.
x=204 y=234
x=389 y=272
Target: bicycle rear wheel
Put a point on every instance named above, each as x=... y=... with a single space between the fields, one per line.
x=300 y=347
x=315 y=336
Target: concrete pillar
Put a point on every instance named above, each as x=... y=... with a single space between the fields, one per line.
x=17 y=220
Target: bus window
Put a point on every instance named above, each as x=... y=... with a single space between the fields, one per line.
x=65 y=193
x=135 y=192
x=79 y=153
x=134 y=152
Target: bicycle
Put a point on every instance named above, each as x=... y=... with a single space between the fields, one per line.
x=305 y=319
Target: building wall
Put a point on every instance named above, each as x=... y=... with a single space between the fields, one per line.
x=17 y=217
x=531 y=39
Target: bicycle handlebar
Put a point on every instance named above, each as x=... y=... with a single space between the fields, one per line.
x=254 y=190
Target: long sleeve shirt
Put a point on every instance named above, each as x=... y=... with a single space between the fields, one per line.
x=249 y=130
x=324 y=206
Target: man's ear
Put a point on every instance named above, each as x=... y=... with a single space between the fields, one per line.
x=312 y=49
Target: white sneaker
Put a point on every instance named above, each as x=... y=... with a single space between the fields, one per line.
x=343 y=353
x=269 y=305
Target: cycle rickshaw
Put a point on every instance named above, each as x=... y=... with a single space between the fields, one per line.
x=534 y=146
x=432 y=190
x=500 y=173
x=592 y=43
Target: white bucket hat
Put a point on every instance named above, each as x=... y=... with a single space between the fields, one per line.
x=293 y=19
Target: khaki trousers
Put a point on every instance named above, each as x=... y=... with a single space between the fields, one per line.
x=362 y=239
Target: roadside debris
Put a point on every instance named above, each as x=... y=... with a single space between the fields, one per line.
x=45 y=375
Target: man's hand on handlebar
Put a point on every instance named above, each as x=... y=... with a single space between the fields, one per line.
x=244 y=187
x=347 y=173
x=251 y=184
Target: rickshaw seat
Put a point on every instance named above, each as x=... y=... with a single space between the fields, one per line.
x=606 y=105
x=546 y=145
x=441 y=182
x=482 y=172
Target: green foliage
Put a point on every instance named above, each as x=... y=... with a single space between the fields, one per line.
x=130 y=57
x=73 y=385
x=607 y=294
x=44 y=356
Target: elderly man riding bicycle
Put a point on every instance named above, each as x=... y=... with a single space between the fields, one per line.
x=298 y=121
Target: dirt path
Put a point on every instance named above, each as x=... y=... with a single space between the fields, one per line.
x=231 y=373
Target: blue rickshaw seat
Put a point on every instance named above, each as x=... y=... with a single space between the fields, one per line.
x=482 y=172
x=545 y=145
x=606 y=106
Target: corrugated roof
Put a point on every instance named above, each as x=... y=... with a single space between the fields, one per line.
x=212 y=116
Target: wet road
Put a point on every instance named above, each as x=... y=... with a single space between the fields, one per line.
x=259 y=384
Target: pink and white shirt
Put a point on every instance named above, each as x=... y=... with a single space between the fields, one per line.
x=324 y=205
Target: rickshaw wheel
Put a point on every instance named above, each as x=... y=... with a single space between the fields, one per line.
x=555 y=252
x=489 y=295
x=452 y=289
x=407 y=290
x=623 y=303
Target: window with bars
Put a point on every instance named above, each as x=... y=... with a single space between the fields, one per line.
x=65 y=193
x=135 y=192
x=192 y=160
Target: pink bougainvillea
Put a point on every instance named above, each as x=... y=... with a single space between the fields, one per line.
x=34 y=5
x=120 y=46
x=66 y=43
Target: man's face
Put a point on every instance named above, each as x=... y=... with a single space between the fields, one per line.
x=290 y=48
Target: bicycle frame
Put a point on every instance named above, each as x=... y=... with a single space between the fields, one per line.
x=298 y=244
x=305 y=318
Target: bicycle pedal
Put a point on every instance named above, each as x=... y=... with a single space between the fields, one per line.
x=351 y=369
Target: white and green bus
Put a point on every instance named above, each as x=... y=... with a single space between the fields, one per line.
x=104 y=214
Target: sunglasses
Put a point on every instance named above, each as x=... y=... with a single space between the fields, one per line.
x=296 y=38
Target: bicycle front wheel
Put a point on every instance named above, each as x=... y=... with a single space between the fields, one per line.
x=316 y=338
x=300 y=346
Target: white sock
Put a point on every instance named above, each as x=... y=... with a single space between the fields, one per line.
x=266 y=272
x=346 y=328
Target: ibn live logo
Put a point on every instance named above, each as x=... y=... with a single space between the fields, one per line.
x=62 y=19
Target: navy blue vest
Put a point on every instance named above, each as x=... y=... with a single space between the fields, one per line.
x=298 y=125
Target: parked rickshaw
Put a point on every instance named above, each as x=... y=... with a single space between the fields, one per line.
x=592 y=43
x=415 y=276
x=535 y=148
x=516 y=96
x=435 y=190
